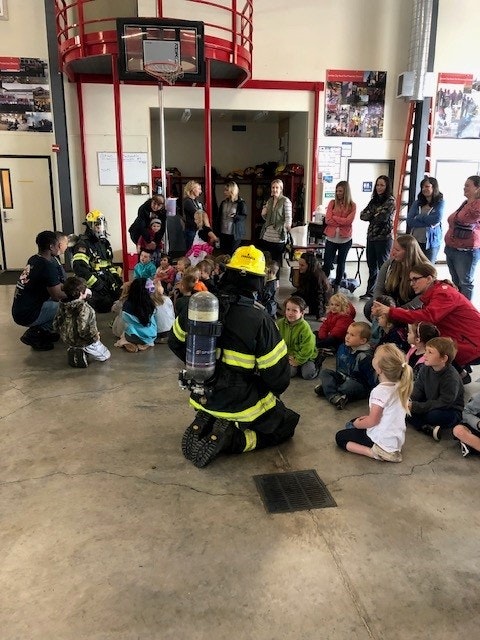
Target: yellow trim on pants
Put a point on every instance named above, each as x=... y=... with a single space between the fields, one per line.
x=250 y=440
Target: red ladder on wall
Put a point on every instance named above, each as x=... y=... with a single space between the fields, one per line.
x=405 y=166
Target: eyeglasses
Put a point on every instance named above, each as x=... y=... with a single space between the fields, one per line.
x=416 y=278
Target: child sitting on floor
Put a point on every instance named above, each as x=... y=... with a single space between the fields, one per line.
x=118 y=326
x=299 y=338
x=164 y=313
x=206 y=268
x=418 y=336
x=138 y=315
x=437 y=401
x=166 y=273
x=76 y=323
x=182 y=264
x=354 y=377
x=267 y=295
x=381 y=434
x=332 y=331
x=391 y=332
x=145 y=268
x=204 y=240
x=468 y=431
x=186 y=288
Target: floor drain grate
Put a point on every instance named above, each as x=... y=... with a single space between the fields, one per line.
x=293 y=491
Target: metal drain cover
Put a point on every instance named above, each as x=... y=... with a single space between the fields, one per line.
x=293 y=491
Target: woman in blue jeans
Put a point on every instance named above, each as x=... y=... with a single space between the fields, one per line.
x=462 y=240
x=338 y=231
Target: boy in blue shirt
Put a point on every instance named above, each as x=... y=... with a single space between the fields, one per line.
x=354 y=377
x=145 y=267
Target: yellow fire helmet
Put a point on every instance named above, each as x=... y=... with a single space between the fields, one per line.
x=248 y=259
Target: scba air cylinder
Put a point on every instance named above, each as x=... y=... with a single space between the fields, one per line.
x=203 y=329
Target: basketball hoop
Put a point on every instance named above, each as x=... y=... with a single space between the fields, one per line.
x=164 y=71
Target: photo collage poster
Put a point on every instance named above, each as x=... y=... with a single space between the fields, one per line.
x=355 y=103
x=24 y=95
x=457 y=107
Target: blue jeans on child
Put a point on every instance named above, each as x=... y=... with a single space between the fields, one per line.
x=334 y=383
x=444 y=418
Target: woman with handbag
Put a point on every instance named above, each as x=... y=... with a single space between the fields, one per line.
x=424 y=218
x=277 y=214
x=462 y=240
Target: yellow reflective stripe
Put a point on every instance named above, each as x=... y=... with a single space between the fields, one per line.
x=247 y=415
x=275 y=355
x=91 y=281
x=81 y=256
x=178 y=332
x=250 y=440
x=101 y=264
x=238 y=359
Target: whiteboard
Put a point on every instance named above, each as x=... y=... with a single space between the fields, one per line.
x=135 y=168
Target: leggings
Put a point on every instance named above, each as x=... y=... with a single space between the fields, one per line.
x=359 y=436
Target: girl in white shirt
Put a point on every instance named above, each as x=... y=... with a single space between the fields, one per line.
x=381 y=434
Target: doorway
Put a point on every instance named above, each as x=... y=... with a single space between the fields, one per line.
x=27 y=206
x=361 y=176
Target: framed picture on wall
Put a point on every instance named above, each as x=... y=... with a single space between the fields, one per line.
x=3 y=10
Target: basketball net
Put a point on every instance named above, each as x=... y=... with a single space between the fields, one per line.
x=164 y=71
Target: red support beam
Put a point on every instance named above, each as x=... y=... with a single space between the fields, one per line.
x=314 y=176
x=81 y=119
x=208 y=144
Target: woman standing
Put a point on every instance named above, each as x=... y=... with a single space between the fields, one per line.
x=393 y=277
x=379 y=214
x=233 y=212
x=191 y=204
x=338 y=231
x=277 y=214
x=462 y=240
x=424 y=218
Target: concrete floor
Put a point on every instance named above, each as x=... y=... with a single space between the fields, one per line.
x=107 y=532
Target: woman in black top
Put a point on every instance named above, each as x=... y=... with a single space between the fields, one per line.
x=153 y=208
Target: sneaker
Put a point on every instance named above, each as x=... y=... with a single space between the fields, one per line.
x=98 y=351
x=37 y=339
x=219 y=439
x=436 y=433
x=77 y=358
x=319 y=391
x=366 y=296
x=339 y=401
x=200 y=428
x=465 y=449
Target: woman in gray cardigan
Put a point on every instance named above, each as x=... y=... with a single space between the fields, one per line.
x=277 y=214
x=233 y=212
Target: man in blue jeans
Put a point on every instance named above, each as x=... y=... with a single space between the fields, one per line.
x=37 y=294
x=354 y=377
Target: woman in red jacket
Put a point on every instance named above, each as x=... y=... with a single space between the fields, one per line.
x=338 y=230
x=444 y=306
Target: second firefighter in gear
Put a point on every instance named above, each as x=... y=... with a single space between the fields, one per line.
x=93 y=261
x=241 y=411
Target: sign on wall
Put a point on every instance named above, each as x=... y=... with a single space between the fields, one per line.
x=355 y=103
x=457 y=107
x=135 y=168
x=24 y=95
x=329 y=162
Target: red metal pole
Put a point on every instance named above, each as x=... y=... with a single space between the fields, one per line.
x=159 y=9
x=208 y=145
x=234 y=31
x=81 y=24
x=81 y=118
x=314 y=177
x=121 y=178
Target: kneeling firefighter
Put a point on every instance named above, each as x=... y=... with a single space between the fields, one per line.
x=238 y=407
x=93 y=261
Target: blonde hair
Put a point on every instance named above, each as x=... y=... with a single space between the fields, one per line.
x=158 y=296
x=365 y=329
x=232 y=188
x=277 y=181
x=187 y=190
x=347 y=195
x=393 y=364
x=342 y=301
x=398 y=275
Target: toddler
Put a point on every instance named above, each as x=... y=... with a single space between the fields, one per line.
x=186 y=287
x=145 y=268
x=267 y=295
x=182 y=264
x=118 y=326
x=138 y=314
x=468 y=431
x=391 y=332
x=418 y=335
x=332 y=331
x=166 y=273
x=299 y=338
x=381 y=434
x=77 y=325
x=354 y=377
x=164 y=313
x=437 y=402
x=221 y=262
x=204 y=240
x=154 y=238
x=206 y=268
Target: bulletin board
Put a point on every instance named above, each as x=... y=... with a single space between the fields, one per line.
x=135 y=168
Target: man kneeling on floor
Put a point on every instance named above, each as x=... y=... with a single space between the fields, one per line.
x=240 y=409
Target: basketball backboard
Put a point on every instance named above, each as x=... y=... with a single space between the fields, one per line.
x=144 y=40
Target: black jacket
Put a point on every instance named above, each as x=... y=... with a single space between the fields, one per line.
x=139 y=227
